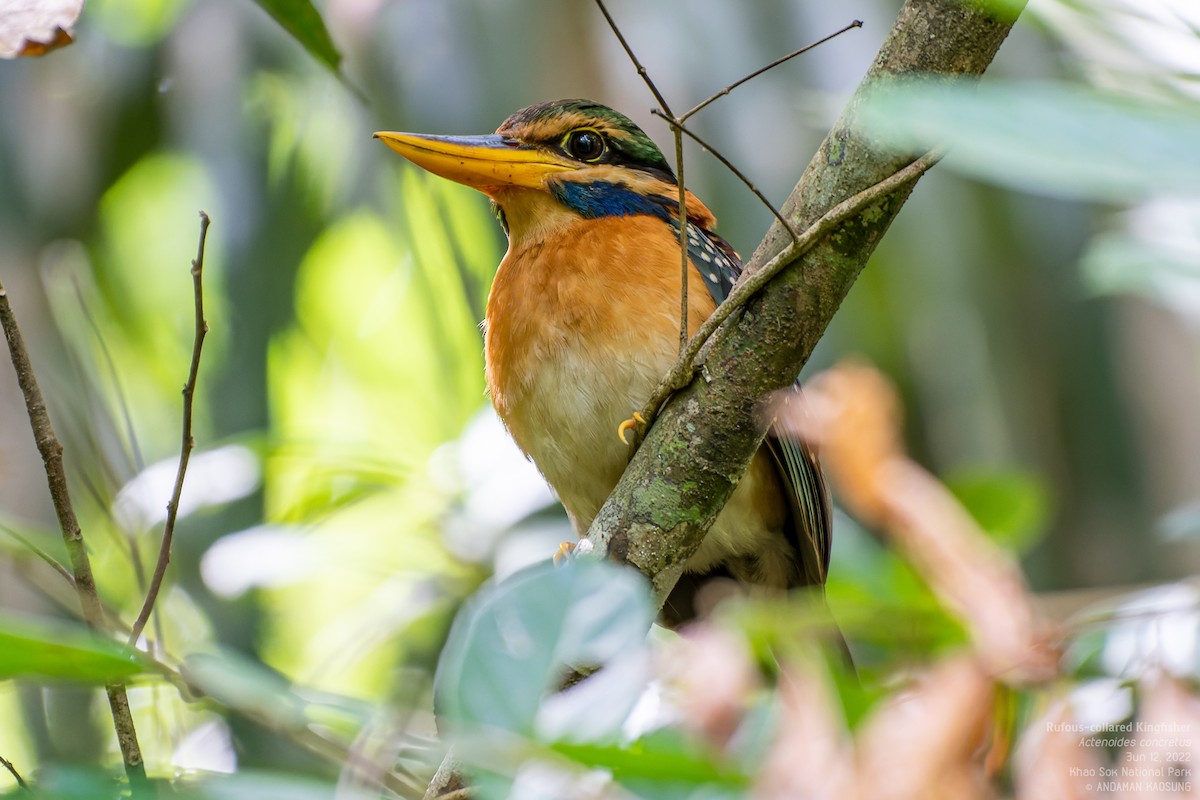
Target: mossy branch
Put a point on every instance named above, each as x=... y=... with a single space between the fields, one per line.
x=702 y=442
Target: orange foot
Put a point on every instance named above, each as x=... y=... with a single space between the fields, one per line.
x=626 y=426
x=563 y=553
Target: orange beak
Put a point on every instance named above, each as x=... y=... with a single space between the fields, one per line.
x=488 y=163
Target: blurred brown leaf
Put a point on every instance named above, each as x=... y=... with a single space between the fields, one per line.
x=710 y=669
x=1166 y=737
x=813 y=755
x=1051 y=763
x=852 y=413
x=927 y=742
x=969 y=573
x=34 y=27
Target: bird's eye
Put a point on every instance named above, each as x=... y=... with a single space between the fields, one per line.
x=586 y=145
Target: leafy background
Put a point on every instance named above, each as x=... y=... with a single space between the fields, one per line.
x=1035 y=302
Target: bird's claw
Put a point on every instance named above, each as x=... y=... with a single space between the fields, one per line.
x=563 y=553
x=630 y=424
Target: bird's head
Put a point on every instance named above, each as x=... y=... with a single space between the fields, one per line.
x=552 y=163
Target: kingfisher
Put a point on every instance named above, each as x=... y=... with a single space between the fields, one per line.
x=583 y=321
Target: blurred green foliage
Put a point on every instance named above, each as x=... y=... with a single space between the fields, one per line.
x=310 y=593
x=1059 y=139
x=1012 y=507
x=301 y=20
x=46 y=650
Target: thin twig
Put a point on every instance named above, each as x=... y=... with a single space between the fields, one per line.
x=679 y=126
x=399 y=780
x=1091 y=617
x=664 y=111
x=662 y=101
x=317 y=740
x=8 y=765
x=51 y=452
x=188 y=442
x=750 y=282
x=684 y=261
x=687 y=115
x=53 y=562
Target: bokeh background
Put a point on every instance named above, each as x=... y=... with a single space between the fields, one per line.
x=350 y=484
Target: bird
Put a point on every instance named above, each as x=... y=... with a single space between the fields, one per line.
x=583 y=320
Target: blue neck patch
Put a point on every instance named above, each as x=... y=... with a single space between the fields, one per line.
x=605 y=199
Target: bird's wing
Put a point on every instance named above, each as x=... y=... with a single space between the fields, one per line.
x=808 y=497
x=715 y=260
x=808 y=501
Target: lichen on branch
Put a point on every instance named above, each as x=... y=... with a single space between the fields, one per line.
x=702 y=442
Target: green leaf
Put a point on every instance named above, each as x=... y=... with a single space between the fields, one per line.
x=52 y=650
x=1050 y=138
x=663 y=757
x=265 y=786
x=1155 y=252
x=884 y=608
x=513 y=642
x=238 y=682
x=1084 y=657
x=301 y=20
x=63 y=782
x=1013 y=507
x=75 y=782
x=250 y=686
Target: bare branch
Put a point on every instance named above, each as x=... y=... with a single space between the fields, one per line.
x=679 y=126
x=51 y=451
x=664 y=110
x=684 y=261
x=702 y=442
x=188 y=442
x=448 y=782
x=662 y=101
x=687 y=115
x=8 y=765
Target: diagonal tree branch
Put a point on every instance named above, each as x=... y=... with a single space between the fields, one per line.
x=751 y=283
x=699 y=448
x=8 y=765
x=81 y=568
